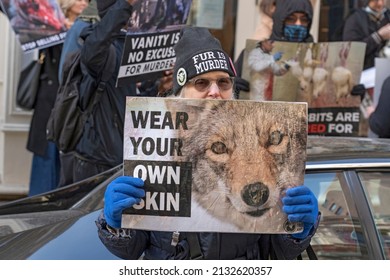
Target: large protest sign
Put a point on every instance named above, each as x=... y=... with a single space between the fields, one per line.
x=321 y=74
x=213 y=165
x=37 y=23
x=153 y=30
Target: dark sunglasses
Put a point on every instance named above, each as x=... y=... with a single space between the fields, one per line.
x=203 y=84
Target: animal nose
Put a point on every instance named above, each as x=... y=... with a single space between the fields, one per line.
x=255 y=194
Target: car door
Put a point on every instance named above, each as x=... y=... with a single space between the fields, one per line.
x=347 y=229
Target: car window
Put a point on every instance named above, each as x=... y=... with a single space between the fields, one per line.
x=377 y=188
x=339 y=235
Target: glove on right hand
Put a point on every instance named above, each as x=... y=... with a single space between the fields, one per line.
x=278 y=56
x=301 y=205
x=121 y=193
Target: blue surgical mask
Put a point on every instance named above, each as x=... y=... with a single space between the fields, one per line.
x=295 y=33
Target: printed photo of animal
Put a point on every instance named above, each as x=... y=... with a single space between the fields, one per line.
x=325 y=72
x=245 y=155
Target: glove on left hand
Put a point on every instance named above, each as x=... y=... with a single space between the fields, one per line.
x=301 y=205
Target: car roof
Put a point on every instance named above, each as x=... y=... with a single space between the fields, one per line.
x=322 y=153
x=347 y=152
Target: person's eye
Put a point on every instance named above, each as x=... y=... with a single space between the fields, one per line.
x=304 y=20
x=224 y=82
x=202 y=83
x=291 y=19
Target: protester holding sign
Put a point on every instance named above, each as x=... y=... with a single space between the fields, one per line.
x=202 y=71
x=292 y=21
x=101 y=144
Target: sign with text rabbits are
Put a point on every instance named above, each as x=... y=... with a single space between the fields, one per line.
x=322 y=74
x=213 y=165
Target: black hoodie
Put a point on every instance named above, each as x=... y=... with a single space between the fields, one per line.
x=283 y=9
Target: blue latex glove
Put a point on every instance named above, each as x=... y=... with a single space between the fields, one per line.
x=301 y=205
x=278 y=56
x=120 y=194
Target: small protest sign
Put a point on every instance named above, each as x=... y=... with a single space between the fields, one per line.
x=152 y=31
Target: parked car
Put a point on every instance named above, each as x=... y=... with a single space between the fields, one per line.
x=349 y=176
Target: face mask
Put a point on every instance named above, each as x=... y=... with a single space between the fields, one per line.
x=295 y=33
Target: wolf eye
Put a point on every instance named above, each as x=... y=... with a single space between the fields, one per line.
x=219 y=148
x=276 y=137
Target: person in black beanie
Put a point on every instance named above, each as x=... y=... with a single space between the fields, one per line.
x=198 y=57
x=202 y=70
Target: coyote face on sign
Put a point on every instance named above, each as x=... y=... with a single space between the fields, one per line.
x=244 y=157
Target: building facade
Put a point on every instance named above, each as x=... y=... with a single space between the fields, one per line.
x=239 y=22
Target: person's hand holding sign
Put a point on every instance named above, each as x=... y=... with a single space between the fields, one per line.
x=122 y=193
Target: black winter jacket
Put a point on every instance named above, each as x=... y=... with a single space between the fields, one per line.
x=156 y=245
x=360 y=27
x=102 y=139
x=283 y=9
x=379 y=119
x=46 y=95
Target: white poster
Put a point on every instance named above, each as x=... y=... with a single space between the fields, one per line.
x=214 y=174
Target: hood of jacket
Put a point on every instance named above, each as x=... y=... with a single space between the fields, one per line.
x=283 y=9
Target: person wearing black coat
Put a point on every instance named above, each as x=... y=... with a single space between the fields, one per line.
x=292 y=20
x=213 y=83
x=101 y=144
x=379 y=119
x=45 y=163
x=370 y=24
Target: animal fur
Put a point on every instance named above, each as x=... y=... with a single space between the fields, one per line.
x=244 y=158
x=342 y=79
x=341 y=75
x=320 y=77
x=305 y=80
